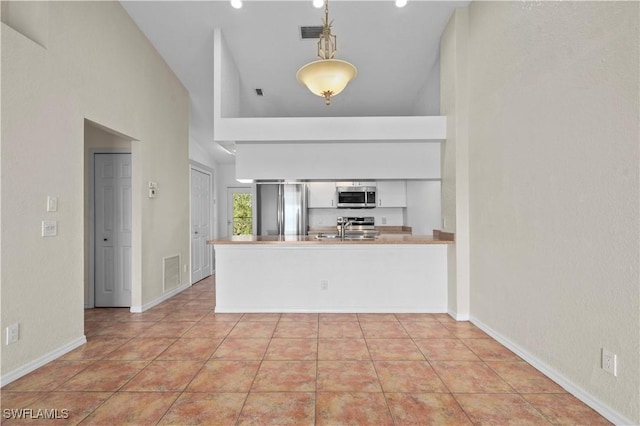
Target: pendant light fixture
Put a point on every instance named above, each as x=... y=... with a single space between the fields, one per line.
x=327 y=76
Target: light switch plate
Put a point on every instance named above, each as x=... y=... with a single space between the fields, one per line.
x=52 y=204
x=153 y=189
x=49 y=228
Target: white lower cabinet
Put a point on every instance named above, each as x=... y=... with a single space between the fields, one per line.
x=322 y=195
x=392 y=193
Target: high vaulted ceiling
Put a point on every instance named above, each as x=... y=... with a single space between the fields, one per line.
x=396 y=51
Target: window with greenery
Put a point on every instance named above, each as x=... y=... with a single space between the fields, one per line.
x=242 y=218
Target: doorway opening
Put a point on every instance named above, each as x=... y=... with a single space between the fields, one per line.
x=239 y=211
x=108 y=217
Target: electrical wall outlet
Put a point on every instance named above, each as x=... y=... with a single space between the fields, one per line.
x=324 y=285
x=13 y=333
x=609 y=362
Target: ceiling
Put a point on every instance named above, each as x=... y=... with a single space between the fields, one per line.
x=396 y=51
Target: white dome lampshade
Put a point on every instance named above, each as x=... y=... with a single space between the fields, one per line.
x=326 y=77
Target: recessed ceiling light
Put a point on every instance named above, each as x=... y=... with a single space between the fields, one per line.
x=318 y=3
x=237 y=4
x=229 y=147
x=401 y=3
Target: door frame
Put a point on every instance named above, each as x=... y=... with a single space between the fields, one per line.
x=194 y=165
x=92 y=216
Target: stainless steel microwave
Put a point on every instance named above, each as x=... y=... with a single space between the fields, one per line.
x=356 y=197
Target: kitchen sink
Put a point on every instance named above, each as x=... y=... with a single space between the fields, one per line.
x=346 y=237
x=360 y=237
x=327 y=237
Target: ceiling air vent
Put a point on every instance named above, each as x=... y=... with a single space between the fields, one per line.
x=310 y=32
x=259 y=92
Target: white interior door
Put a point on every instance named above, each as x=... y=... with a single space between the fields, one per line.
x=201 y=253
x=112 y=198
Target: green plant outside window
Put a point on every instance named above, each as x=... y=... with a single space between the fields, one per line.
x=242 y=214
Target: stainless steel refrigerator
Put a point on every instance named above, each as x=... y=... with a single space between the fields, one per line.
x=281 y=209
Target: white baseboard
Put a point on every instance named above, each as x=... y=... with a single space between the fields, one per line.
x=584 y=396
x=458 y=317
x=226 y=309
x=37 y=363
x=167 y=295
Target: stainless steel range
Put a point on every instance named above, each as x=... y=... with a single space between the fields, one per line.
x=356 y=227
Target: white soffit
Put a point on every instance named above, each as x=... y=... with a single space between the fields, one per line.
x=330 y=128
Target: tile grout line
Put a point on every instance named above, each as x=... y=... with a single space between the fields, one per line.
x=116 y=391
x=373 y=364
x=520 y=394
x=184 y=390
x=482 y=360
x=384 y=393
x=244 y=403
x=192 y=378
x=449 y=392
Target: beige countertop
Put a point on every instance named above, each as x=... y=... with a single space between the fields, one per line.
x=305 y=239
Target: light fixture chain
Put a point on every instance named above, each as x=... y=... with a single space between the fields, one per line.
x=327 y=42
x=326 y=11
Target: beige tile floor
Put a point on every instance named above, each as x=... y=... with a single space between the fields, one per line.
x=180 y=363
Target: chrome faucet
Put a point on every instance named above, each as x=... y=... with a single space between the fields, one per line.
x=342 y=225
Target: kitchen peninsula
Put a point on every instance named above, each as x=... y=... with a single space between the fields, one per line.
x=389 y=273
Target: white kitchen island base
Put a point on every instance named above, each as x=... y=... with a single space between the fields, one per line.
x=294 y=277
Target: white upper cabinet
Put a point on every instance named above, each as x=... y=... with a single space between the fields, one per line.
x=322 y=195
x=392 y=193
x=357 y=183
